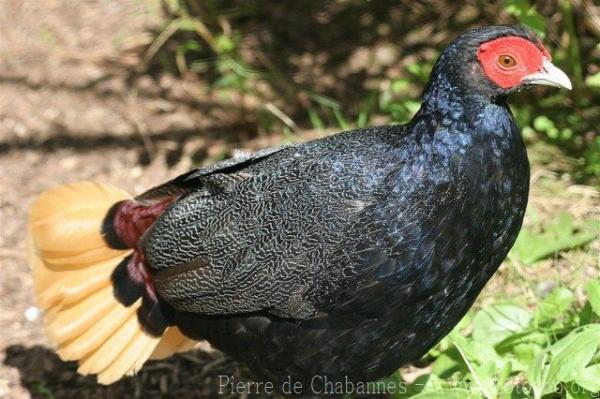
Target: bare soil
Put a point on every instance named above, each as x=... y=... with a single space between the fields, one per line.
x=72 y=109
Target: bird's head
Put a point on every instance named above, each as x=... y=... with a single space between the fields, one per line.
x=497 y=60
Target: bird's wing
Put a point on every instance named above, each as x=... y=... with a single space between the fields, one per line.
x=262 y=244
x=198 y=178
x=293 y=261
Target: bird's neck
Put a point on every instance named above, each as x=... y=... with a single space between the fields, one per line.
x=473 y=143
x=445 y=97
x=446 y=103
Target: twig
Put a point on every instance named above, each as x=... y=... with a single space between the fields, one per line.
x=12 y=253
x=272 y=108
x=162 y=38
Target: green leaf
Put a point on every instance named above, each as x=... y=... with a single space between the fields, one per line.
x=537 y=374
x=482 y=361
x=593 y=80
x=324 y=101
x=526 y=15
x=399 y=85
x=518 y=391
x=429 y=382
x=316 y=121
x=473 y=350
x=448 y=363
x=525 y=355
x=572 y=359
x=412 y=106
x=341 y=120
x=543 y=123
x=494 y=323
x=586 y=315
x=593 y=291
x=567 y=340
x=554 y=305
x=558 y=235
x=423 y=383
x=589 y=378
x=225 y=44
x=362 y=120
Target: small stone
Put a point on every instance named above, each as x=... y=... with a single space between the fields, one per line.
x=136 y=172
x=543 y=288
x=69 y=163
x=32 y=313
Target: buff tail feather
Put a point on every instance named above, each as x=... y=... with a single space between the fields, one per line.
x=72 y=266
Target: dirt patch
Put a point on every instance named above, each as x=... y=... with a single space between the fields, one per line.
x=72 y=109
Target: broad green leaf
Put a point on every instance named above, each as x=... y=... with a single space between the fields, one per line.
x=494 y=323
x=567 y=340
x=593 y=291
x=481 y=352
x=430 y=382
x=525 y=355
x=572 y=359
x=482 y=362
x=503 y=374
x=537 y=374
x=589 y=378
x=558 y=235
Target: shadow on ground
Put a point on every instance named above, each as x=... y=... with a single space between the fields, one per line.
x=332 y=48
x=145 y=146
x=191 y=375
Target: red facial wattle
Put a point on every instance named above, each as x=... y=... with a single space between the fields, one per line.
x=528 y=57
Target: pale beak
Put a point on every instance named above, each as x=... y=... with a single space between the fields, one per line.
x=549 y=76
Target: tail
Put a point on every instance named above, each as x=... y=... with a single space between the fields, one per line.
x=74 y=269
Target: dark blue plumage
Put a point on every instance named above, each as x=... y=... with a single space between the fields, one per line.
x=351 y=255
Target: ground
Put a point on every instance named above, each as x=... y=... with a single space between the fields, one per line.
x=71 y=109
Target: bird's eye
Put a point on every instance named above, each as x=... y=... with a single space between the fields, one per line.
x=507 y=61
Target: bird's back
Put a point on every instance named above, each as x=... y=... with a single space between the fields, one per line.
x=270 y=230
